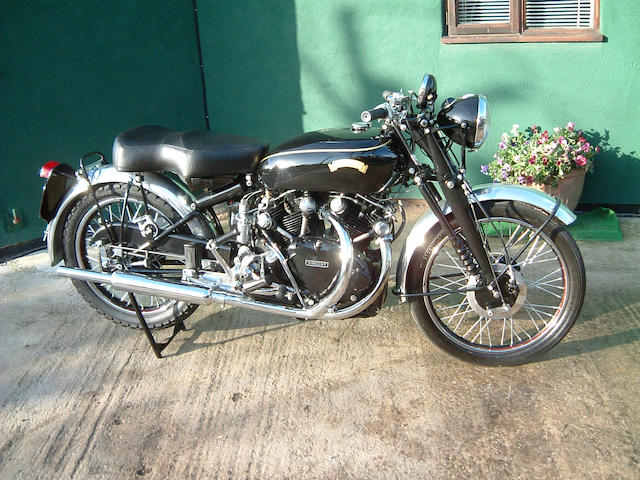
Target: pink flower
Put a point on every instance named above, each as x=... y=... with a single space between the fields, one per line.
x=582 y=139
x=570 y=126
x=581 y=160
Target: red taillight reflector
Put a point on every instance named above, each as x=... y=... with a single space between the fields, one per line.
x=47 y=168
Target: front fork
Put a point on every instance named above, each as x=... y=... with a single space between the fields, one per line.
x=473 y=246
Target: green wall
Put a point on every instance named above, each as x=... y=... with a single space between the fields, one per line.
x=252 y=72
x=73 y=74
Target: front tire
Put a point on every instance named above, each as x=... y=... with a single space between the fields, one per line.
x=547 y=288
x=87 y=245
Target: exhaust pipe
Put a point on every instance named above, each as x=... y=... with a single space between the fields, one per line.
x=204 y=296
x=140 y=284
x=190 y=294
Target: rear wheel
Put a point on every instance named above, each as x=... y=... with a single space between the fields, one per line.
x=541 y=290
x=88 y=245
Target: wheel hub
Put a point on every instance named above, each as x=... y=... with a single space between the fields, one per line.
x=513 y=289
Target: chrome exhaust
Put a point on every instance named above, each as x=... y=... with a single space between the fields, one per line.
x=191 y=294
x=385 y=269
x=140 y=284
x=205 y=296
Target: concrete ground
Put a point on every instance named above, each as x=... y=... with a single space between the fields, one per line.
x=249 y=395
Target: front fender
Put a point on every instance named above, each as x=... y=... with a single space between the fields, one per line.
x=483 y=193
x=179 y=199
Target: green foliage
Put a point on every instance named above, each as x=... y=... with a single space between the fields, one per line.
x=535 y=156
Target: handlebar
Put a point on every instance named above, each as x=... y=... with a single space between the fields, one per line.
x=373 y=114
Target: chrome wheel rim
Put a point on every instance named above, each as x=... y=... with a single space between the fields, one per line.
x=540 y=267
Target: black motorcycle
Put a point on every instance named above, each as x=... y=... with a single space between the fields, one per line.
x=491 y=273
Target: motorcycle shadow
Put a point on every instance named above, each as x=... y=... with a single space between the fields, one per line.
x=570 y=348
x=235 y=324
x=608 y=324
x=229 y=325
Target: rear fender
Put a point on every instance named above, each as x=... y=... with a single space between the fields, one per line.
x=483 y=193
x=60 y=179
x=179 y=198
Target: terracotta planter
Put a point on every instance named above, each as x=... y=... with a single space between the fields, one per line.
x=569 y=188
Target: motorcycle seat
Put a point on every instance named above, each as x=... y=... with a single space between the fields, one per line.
x=191 y=154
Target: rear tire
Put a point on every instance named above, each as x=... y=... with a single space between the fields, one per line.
x=86 y=243
x=551 y=284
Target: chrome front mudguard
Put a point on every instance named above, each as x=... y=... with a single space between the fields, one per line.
x=483 y=193
x=179 y=199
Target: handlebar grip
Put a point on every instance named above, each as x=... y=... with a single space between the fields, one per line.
x=370 y=115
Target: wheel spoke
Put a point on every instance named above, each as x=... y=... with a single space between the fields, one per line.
x=455 y=262
x=483 y=327
x=538 y=312
x=457 y=284
x=533 y=320
x=548 y=291
x=504 y=328
x=456 y=313
x=479 y=321
x=464 y=314
x=511 y=243
x=520 y=328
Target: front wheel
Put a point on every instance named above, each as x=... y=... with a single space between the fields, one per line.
x=542 y=283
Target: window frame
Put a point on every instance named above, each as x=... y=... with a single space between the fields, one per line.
x=516 y=30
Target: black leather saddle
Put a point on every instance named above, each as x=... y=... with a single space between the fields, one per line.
x=193 y=154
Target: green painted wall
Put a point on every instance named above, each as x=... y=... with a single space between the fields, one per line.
x=252 y=72
x=73 y=74
x=316 y=63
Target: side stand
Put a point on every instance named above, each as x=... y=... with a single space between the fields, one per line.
x=157 y=347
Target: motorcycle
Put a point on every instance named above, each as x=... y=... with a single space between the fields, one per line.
x=491 y=274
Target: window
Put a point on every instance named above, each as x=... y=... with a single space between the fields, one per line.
x=484 y=21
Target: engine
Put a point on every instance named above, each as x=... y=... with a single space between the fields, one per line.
x=288 y=251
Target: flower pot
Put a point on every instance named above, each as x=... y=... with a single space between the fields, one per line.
x=569 y=188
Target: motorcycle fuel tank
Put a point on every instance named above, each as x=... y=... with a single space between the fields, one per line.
x=335 y=160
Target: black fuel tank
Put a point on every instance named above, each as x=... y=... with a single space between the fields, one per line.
x=336 y=160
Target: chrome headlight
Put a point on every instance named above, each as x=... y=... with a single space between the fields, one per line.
x=467 y=118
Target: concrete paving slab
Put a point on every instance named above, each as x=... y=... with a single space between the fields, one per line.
x=248 y=395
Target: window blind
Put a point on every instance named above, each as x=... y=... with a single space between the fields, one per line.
x=559 y=13
x=483 y=11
